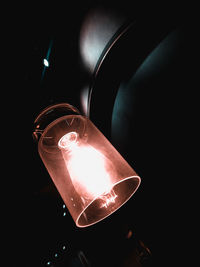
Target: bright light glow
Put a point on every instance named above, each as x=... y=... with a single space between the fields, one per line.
x=46 y=62
x=92 y=178
x=68 y=141
x=88 y=169
x=108 y=198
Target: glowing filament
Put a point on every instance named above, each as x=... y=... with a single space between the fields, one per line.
x=108 y=198
x=88 y=168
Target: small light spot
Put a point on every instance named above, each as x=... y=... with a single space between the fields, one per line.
x=64 y=247
x=46 y=62
x=64 y=214
x=48 y=263
x=64 y=206
x=130 y=233
x=56 y=255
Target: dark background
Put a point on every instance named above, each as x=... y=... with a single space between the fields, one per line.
x=36 y=229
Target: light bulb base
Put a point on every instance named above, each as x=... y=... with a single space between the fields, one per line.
x=49 y=114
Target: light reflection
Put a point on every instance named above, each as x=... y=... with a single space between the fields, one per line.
x=57 y=255
x=84 y=97
x=98 y=27
x=129 y=235
x=46 y=62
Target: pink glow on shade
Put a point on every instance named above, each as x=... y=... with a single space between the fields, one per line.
x=93 y=179
x=88 y=168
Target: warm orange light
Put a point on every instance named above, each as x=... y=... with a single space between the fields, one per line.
x=90 y=175
x=88 y=168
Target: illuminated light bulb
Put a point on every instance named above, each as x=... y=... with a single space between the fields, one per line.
x=93 y=179
x=91 y=163
x=68 y=141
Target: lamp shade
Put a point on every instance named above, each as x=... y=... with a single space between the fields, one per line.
x=93 y=179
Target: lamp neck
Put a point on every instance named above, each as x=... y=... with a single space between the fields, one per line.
x=49 y=114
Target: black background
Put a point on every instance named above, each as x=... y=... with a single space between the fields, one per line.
x=35 y=226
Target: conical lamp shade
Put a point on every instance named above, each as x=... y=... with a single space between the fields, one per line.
x=93 y=179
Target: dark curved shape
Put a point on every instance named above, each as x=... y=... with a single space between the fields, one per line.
x=156 y=118
x=120 y=59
